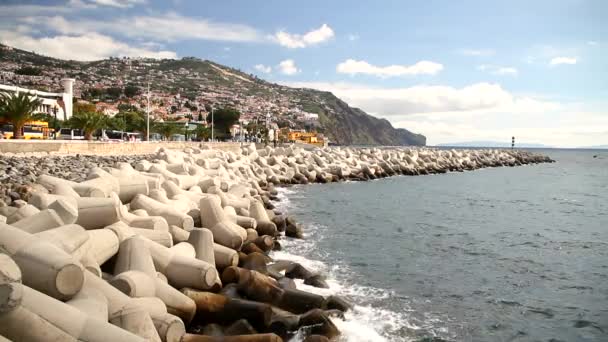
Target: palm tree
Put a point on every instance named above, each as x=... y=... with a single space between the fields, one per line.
x=18 y=108
x=203 y=133
x=166 y=129
x=142 y=126
x=89 y=122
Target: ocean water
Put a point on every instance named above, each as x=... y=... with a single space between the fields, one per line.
x=499 y=254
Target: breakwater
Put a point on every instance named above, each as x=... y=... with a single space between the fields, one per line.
x=119 y=252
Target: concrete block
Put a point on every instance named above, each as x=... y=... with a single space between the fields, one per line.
x=44 y=266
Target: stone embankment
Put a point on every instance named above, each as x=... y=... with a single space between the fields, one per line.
x=174 y=246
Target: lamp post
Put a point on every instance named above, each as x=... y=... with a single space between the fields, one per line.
x=55 y=123
x=148 y=115
x=212 y=125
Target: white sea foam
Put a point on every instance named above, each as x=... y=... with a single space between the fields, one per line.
x=364 y=323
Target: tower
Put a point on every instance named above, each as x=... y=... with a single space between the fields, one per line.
x=68 y=97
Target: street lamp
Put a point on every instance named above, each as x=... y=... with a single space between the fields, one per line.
x=148 y=115
x=55 y=123
x=212 y=124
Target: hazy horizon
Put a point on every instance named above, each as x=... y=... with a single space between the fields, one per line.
x=467 y=71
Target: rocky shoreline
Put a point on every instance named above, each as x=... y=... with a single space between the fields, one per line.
x=174 y=246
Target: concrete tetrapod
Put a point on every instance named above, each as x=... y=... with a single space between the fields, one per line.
x=224 y=231
x=224 y=256
x=44 y=266
x=173 y=190
x=41 y=221
x=91 y=302
x=202 y=241
x=182 y=205
x=156 y=208
x=69 y=238
x=217 y=308
x=43 y=201
x=136 y=277
x=96 y=187
x=238 y=338
x=182 y=271
x=138 y=221
x=265 y=226
x=38 y=317
x=170 y=328
x=122 y=311
x=21 y=213
x=96 y=212
x=10 y=284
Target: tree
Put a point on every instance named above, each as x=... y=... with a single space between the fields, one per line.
x=125 y=107
x=83 y=107
x=18 y=109
x=89 y=122
x=28 y=70
x=202 y=133
x=131 y=91
x=94 y=93
x=139 y=124
x=113 y=92
x=223 y=119
x=167 y=129
x=200 y=116
x=117 y=123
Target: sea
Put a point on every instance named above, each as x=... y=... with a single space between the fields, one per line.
x=497 y=254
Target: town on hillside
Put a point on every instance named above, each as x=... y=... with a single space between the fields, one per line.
x=180 y=102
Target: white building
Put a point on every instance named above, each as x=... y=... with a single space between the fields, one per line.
x=62 y=102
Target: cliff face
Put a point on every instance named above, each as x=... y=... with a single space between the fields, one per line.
x=352 y=126
x=194 y=78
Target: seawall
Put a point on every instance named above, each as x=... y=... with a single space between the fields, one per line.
x=106 y=148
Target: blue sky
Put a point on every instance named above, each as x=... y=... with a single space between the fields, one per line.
x=452 y=70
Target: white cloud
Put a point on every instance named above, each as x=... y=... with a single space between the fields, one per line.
x=562 y=60
x=20 y=10
x=313 y=37
x=168 y=27
x=424 y=99
x=175 y=27
x=353 y=67
x=263 y=68
x=592 y=43
x=477 y=52
x=288 y=67
x=506 y=71
x=88 y=47
x=480 y=111
x=498 y=70
x=118 y=3
x=353 y=37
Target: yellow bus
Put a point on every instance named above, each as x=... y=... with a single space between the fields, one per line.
x=31 y=130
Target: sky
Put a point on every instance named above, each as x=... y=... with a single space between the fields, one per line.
x=452 y=70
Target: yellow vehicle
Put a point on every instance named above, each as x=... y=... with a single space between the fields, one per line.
x=31 y=130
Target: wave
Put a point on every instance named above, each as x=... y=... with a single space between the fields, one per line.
x=366 y=322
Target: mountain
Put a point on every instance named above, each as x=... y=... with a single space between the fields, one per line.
x=596 y=147
x=202 y=83
x=492 y=144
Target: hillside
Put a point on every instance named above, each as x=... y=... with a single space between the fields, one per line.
x=202 y=83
